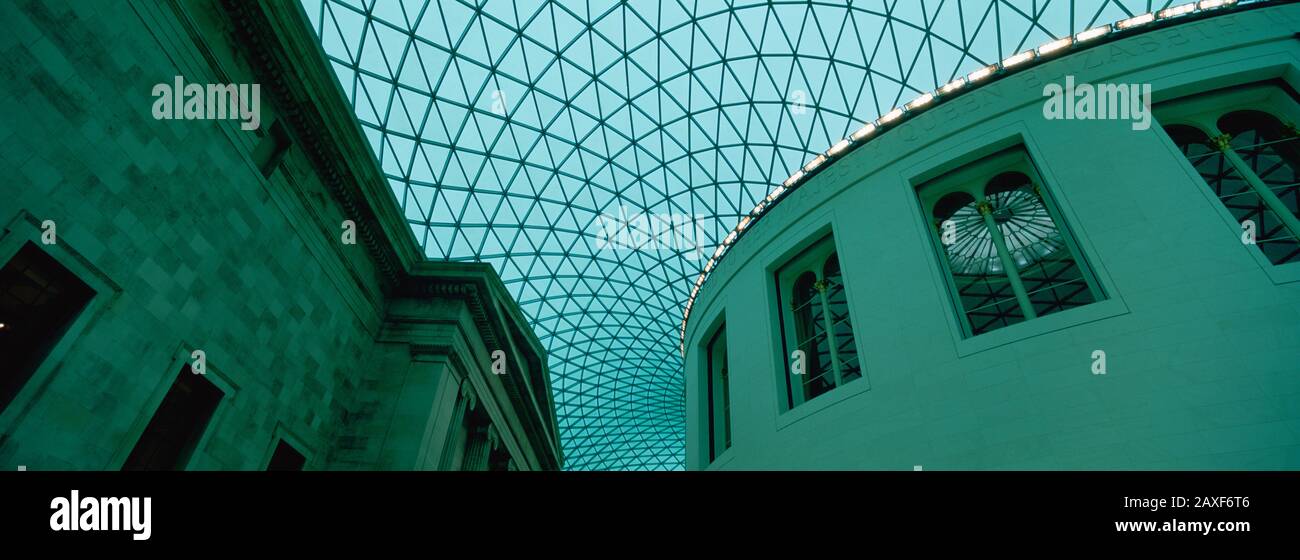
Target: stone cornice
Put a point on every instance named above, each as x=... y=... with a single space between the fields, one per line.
x=289 y=63
x=497 y=331
x=501 y=327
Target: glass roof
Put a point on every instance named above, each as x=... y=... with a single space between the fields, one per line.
x=519 y=133
x=1026 y=228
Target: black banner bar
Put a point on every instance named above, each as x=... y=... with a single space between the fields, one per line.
x=326 y=508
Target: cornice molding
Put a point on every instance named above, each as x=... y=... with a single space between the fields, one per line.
x=287 y=60
x=269 y=48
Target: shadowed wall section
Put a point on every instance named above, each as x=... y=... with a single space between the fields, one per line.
x=199 y=236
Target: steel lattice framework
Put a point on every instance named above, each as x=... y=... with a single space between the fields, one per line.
x=511 y=132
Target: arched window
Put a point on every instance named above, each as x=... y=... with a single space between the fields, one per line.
x=1008 y=259
x=1265 y=143
x=1253 y=168
x=817 y=330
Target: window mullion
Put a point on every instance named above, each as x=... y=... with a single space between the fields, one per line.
x=1223 y=143
x=1008 y=263
x=821 y=286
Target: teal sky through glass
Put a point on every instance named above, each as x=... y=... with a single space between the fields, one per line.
x=508 y=129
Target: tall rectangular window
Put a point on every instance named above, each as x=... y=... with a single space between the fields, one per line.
x=1003 y=247
x=286 y=458
x=1245 y=147
x=176 y=427
x=39 y=299
x=819 y=348
x=719 y=395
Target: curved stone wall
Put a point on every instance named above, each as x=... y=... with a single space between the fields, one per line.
x=1200 y=332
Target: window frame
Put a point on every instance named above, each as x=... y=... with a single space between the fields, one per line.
x=697 y=395
x=1202 y=111
x=198 y=459
x=284 y=444
x=283 y=433
x=712 y=399
x=61 y=297
x=23 y=228
x=812 y=258
x=972 y=176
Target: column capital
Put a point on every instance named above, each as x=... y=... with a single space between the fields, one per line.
x=1222 y=142
x=467 y=393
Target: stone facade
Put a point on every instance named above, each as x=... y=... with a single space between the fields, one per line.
x=363 y=356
